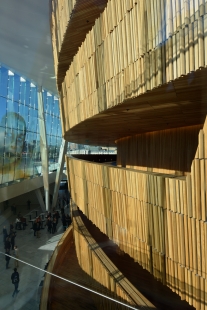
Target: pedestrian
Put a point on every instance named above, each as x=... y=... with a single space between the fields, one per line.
x=15 y=281
x=7 y=258
x=11 y=228
x=18 y=224
x=16 y=255
x=4 y=234
x=7 y=244
x=12 y=240
x=54 y=223
x=57 y=215
x=49 y=225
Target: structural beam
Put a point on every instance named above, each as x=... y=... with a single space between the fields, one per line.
x=43 y=146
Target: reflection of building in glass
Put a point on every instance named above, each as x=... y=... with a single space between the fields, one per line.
x=19 y=127
x=12 y=163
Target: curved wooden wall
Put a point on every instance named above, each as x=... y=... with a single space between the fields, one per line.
x=159 y=220
x=59 y=250
x=167 y=151
x=70 y=22
x=133 y=47
x=95 y=262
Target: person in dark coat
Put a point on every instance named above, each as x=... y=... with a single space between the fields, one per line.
x=12 y=241
x=11 y=228
x=54 y=223
x=15 y=281
x=7 y=244
x=7 y=258
x=49 y=225
x=57 y=215
x=4 y=234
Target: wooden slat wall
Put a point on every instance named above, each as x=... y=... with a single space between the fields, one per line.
x=95 y=262
x=47 y=280
x=70 y=22
x=60 y=16
x=159 y=220
x=117 y=61
x=168 y=151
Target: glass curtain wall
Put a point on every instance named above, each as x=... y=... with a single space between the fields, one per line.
x=19 y=128
x=53 y=128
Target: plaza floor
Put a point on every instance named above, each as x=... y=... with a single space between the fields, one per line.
x=34 y=252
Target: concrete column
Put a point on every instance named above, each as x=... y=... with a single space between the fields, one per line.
x=43 y=147
x=40 y=199
x=61 y=161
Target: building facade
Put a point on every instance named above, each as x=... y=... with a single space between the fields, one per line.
x=136 y=78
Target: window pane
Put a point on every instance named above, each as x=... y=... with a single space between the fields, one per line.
x=12 y=120
x=33 y=120
x=12 y=107
x=3 y=104
x=22 y=92
x=33 y=100
x=10 y=87
x=27 y=93
x=3 y=81
x=56 y=108
x=59 y=129
x=16 y=87
x=48 y=120
x=23 y=112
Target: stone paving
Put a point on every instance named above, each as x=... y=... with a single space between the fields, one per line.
x=32 y=250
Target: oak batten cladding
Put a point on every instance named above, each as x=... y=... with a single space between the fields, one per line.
x=96 y=263
x=166 y=151
x=137 y=79
x=70 y=22
x=158 y=219
x=117 y=62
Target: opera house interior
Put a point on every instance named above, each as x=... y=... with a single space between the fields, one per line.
x=103 y=117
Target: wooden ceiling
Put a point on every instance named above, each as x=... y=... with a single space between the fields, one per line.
x=81 y=21
x=182 y=102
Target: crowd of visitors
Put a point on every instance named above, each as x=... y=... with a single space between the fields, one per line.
x=53 y=218
x=11 y=249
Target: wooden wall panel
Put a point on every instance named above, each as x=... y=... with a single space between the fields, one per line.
x=158 y=219
x=96 y=263
x=169 y=151
x=168 y=47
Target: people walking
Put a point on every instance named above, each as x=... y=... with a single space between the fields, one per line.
x=15 y=281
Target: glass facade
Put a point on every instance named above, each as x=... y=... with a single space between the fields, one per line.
x=19 y=128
